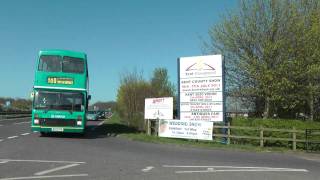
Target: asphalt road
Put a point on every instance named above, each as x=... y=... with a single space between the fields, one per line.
x=103 y=155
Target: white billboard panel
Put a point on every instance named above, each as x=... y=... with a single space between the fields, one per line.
x=158 y=108
x=201 y=88
x=201 y=66
x=202 y=116
x=203 y=106
x=201 y=97
x=186 y=129
x=201 y=84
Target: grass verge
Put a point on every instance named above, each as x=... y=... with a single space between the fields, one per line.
x=118 y=128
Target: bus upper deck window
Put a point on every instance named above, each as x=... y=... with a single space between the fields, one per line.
x=72 y=65
x=50 y=63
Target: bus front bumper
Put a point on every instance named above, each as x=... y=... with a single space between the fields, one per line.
x=57 y=129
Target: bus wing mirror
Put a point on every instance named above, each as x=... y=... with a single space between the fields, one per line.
x=32 y=95
x=89 y=97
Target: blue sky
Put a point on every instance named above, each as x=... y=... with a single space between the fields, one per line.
x=117 y=36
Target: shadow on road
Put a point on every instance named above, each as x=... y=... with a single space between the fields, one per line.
x=108 y=130
x=94 y=132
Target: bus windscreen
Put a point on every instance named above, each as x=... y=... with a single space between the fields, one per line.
x=59 y=101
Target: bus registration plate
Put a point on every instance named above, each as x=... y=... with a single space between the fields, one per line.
x=57 y=129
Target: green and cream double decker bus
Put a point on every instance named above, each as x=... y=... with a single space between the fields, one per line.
x=60 y=92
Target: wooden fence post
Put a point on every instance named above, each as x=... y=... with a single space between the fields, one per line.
x=145 y=126
x=149 y=126
x=261 y=136
x=229 y=133
x=157 y=126
x=294 y=138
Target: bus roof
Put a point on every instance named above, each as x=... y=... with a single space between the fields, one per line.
x=63 y=53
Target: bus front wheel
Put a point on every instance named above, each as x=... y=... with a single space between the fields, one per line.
x=43 y=134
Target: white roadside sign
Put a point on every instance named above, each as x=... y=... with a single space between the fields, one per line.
x=201 y=88
x=158 y=108
x=186 y=129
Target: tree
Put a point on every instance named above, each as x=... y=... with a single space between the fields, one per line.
x=130 y=98
x=162 y=87
x=262 y=44
x=160 y=84
x=22 y=104
x=17 y=104
x=134 y=89
x=306 y=38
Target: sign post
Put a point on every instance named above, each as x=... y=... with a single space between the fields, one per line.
x=201 y=88
x=186 y=129
x=156 y=109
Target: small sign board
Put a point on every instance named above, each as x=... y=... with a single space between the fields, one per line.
x=201 y=91
x=186 y=129
x=158 y=108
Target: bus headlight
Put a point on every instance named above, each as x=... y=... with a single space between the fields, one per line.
x=36 y=121
x=79 y=123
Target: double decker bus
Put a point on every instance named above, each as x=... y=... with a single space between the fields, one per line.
x=60 y=92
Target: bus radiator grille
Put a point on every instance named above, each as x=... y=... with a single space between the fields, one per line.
x=57 y=122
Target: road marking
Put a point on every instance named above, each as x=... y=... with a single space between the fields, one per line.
x=3 y=162
x=42 y=161
x=243 y=170
x=211 y=169
x=147 y=169
x=317 y=159
x=11 y=137
x=45 y=177
x=233 y=169
x=25 y=122
x=55 y=169
x=1 y=140
x=24 y=134
x=1 y=125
